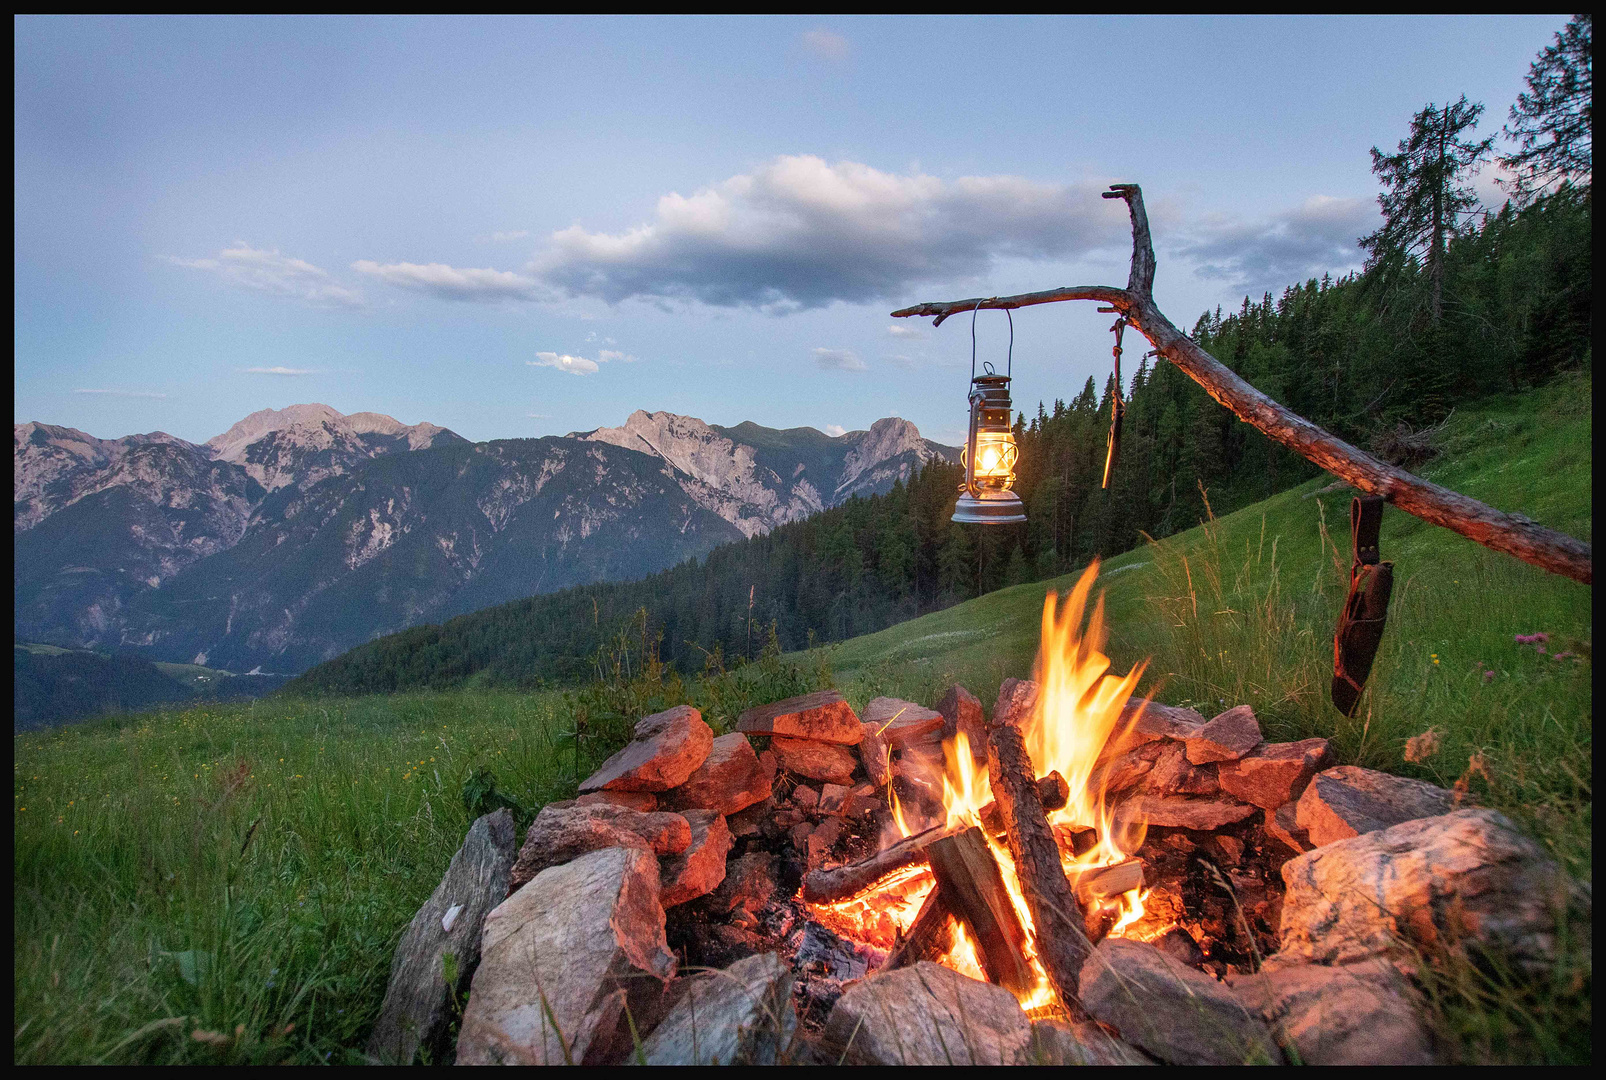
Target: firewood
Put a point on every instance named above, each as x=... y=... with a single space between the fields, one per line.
x=825 y=886
x=930 y=936
x=1062 y=943
x=1107 y=881
x=972 y=888
x=1052 y=790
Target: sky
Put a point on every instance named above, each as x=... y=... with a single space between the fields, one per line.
x=529 y=226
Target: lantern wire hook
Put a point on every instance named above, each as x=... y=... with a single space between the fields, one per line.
x=1009 y=370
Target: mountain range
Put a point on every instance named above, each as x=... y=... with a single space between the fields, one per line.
x=301 y=532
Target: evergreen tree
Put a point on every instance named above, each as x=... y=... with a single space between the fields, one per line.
x=1551 y=122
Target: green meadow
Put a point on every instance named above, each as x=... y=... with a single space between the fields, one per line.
x=225 y=883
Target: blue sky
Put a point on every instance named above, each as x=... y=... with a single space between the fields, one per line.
x=519 y=227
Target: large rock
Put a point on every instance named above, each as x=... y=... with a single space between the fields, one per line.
x=562 y=960
x=1348 y=800
x=1181 y=812
x=668 y=748
x=740 y=1016
x=813 y=759
x=1228 y=737
x=928 y=1015
x=1060 y=1042
x=697 y=870
x=1463 y=877
x=903 y=723
x=729 y=780
x=823 y=717
x=1353 y=1014
x=561 y=833
x=961 y=711
x=1179 y=1014
x=643 y=801
x=419 y=1000
x=1276 y=773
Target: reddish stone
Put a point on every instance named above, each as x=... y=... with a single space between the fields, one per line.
x=1145 y=722
x=560 y=835
x=813 y=759
x=701 y=867
x=749 y=822
x=1016 y=699
x=1226 y=738
x=800 y=835
x=1125 y=771
x=730 y=779
x=875 y=756
x=961 y=711
x=1179 y=812
x=832 y=797
x=903 y=723
x=1348 y=800
x=642 y=801
x=822 y=840
x=805 y=797
x=1173 y=775
x=822 y=717
x=1282 y=826
x=669 y=747
x=1275 y=773
x=749 y=883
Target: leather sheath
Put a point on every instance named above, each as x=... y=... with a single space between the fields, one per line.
x=1360 y=622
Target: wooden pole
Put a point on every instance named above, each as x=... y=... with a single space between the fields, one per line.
x=840 y=882
x=1512 y=534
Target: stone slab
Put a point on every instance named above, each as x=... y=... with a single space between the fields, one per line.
x=1350 y=1014
x=560 y=834
x=813 y=759
x=742 y=1015
x=701 y=867
x=668 y=748
x=1348 y=800
x=1275 y=773
x=1227 y=737
x=928 y=1014
x=823 y=717
x=730 y=779
x=903 y=723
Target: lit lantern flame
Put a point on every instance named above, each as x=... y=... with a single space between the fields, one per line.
x=996 y=454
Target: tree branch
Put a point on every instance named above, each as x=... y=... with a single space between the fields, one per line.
x=1512 y=534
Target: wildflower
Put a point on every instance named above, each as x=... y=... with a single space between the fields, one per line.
x=1434 y=657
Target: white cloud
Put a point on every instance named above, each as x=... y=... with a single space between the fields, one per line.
x=122 y=393
x=801 y=232
x=839 y=360
x=455 y=283
x=272 y=272
x=1313 y=239
x=836 y=431
x=574 y=365
x=900 y=331
x=826 y=45
x=280 y=371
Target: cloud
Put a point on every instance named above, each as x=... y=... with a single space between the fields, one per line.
x=802 y=233
x=839 y=360
x=826 y=45
x=1308 y=241
x=272 y=272
x=453 y=283
x=122 y=393
x=899 y=331
x=280 y=371
x=609 y=354
x=836 y=431
x=574 y=365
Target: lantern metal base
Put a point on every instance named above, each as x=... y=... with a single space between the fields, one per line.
x=989 y=508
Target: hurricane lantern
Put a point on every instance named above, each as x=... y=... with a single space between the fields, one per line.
x=989 y=457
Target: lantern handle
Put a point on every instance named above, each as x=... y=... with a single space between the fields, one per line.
x=1009 y=370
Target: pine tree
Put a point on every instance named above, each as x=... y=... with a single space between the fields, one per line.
x=1551 y=122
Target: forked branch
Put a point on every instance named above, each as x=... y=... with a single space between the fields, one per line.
x=1510 y=533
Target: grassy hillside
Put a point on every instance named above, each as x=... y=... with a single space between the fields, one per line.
x=241 y=869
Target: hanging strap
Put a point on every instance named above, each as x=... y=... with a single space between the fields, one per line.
x=1112 y=455
x=1360 y=622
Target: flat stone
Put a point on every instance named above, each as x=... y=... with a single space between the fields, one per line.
x=1174 y=774
x=1179 y=1015
x=813 y=759
x=1181 y=812
x=749 y=883
x=1060 y=1042
x=1148 y=721
x=1016 y=700
x=823 y=717
x=418 y=1000
x=569 y=953
x=875 y=756
x=740 y=1016
x=560 y=834
x=1348 y=800
x=1275 y=773
x=928 y=1014
x=903 y=723
x=961 y=711
x=1351 y=1014
x=1281 y=825
x=642 y=801
x=1228 y=737
x=730 y=779
x=668 y=748
x=1463 y=877
x=1125 y=771
x=697 y=870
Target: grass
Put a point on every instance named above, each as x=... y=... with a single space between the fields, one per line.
x=225 y=883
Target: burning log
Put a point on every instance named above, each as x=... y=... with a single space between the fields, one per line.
x=1052 y=791
x=1062 y=943
x=973 y=889
x=930 y=936
x=825 y=886
x=1106 y=881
